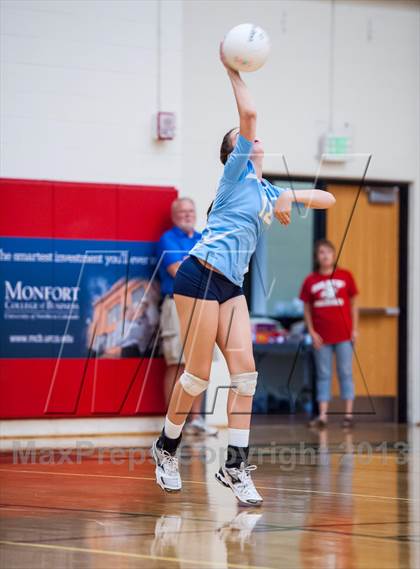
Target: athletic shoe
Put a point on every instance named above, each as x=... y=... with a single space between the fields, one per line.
x=347 y=423
x=200 y=427
x=167 y=473
x=240 y=482
x=317 y=423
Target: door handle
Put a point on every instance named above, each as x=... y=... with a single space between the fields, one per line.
x=380 y=310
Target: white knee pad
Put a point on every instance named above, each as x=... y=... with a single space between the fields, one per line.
x=193 y=385
x=244 y=383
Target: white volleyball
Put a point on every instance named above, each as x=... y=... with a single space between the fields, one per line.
x=246 y=47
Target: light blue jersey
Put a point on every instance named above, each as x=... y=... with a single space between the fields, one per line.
x=242 y=209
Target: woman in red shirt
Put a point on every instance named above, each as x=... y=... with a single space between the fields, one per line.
x=331 y=318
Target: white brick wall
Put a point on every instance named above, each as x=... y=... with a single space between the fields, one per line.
x=79 y=87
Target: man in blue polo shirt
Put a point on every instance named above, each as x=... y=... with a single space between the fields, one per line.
x=172 y=248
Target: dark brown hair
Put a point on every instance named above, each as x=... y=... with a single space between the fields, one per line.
x=226 y=146
x=225 y=149
x=318 y=244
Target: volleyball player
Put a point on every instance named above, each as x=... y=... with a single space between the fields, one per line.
x=210 y=300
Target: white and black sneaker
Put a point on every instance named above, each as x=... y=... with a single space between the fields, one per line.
x=167 y=473
x=240 y=482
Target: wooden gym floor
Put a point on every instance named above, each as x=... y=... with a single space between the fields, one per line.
x=333 y=500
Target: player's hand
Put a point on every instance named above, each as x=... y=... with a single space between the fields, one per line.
x=230 y=70
x=354 y=335
x=283 y=207
x=317 y=341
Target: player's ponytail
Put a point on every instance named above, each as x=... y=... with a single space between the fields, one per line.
x=226 y=146
x=225 y=149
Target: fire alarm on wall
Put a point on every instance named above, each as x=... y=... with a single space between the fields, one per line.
x=165 y=126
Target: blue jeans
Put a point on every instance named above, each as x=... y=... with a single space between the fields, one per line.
x=323 y=362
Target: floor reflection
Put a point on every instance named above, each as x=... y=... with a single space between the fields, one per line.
x=327 y=534
x=334 y=506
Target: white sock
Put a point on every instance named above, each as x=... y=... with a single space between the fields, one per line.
x=238 y=437
x=171 y=430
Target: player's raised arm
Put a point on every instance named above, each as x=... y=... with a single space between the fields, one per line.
x=246 y=107
x=314 y=199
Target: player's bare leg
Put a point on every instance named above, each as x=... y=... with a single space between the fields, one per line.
x=198 y=324
x=235 y=340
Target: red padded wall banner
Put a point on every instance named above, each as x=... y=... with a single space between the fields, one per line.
x=80 y=299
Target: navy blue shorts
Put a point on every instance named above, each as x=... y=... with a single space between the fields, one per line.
x=194 y=279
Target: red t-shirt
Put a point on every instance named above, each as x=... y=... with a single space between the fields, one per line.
x=330 y=304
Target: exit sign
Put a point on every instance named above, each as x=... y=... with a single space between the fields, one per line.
x=335 y=147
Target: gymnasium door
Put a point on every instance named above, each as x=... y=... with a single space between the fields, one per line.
x=371 y=252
